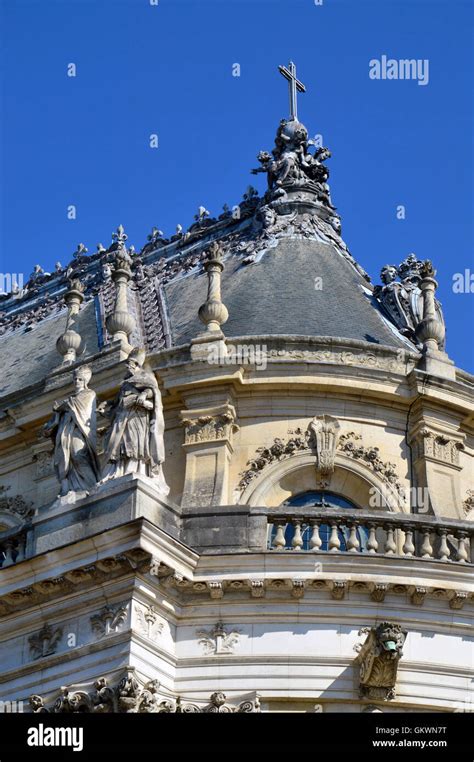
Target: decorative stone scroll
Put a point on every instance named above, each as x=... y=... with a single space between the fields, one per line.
x=378 y=659
x=129 y=697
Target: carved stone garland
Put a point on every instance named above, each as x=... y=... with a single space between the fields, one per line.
x=304 y=442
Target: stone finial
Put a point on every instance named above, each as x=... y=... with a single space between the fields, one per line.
x=430 y=331
x=120 y=323
x=70 y=344
x=213 y=313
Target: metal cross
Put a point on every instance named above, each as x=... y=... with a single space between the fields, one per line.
x=293 y=85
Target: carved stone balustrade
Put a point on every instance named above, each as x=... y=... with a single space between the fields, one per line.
x=386 y=534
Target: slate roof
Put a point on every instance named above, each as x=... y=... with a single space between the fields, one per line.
x=27 y=356
x=278 y=294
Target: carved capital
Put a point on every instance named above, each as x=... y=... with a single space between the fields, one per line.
x=209 y=425
x=434 y=446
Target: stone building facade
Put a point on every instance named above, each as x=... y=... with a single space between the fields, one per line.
x=304 y=543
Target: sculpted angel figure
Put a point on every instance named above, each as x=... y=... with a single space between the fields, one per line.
x=73 y=430
x=135 y=443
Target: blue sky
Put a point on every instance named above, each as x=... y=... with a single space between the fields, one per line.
x=167 y=69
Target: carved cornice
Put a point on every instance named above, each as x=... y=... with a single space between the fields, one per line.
x=82 y=577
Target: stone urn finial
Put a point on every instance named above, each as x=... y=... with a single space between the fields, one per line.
x=213 y=313
x=120 y=322
x=70 y=343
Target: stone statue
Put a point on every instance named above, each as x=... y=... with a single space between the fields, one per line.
x=73 y=430
x=135 y=443
x=291 y=163
x=402 y=298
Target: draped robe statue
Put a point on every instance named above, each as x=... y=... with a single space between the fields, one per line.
x=135 y=443
x=73 y=430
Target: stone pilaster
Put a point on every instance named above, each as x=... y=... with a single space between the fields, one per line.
x=208 y=435
x=436 y=466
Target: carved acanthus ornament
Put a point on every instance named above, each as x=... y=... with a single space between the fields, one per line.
x=218 y=640
x=129 y=697
x=109 y=620
x=378 y=659
x=45 y=642
x=434 y=446
x=148 y=622
x=209 y=425
x=15 y=505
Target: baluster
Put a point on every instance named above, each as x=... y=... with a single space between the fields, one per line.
x=372 y=544
x=444 y=551
x=315 y=542
x=408 y=546
x=334 y=541
x=8 y=550
x=279 y=542
x=390 y=545
x=462 y=550
x=426 y=548
x=297 y=541
x=353 y=543
x=21 y=549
